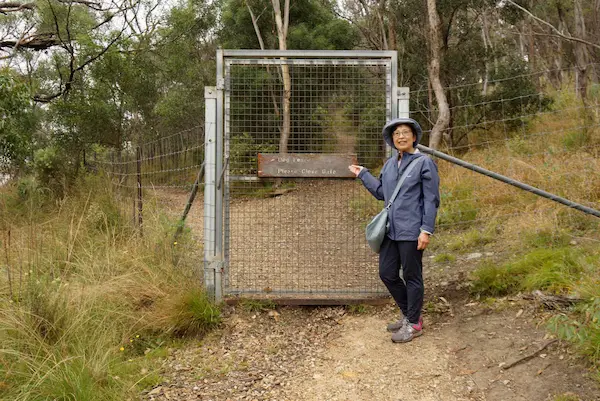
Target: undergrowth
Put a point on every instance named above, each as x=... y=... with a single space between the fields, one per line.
x=88 y=306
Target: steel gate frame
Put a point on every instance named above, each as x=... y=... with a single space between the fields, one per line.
x=216 y=175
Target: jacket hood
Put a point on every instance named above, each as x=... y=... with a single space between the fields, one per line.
x=389 y=128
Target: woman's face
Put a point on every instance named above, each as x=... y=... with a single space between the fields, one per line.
x=404 y=138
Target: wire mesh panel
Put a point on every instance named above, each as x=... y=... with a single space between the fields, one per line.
x=302 y=236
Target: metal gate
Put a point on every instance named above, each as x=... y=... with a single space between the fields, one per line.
x=295 y=233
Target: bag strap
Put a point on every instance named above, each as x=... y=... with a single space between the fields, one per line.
x=406 y=172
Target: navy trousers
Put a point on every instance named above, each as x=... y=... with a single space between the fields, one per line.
x=407 y=290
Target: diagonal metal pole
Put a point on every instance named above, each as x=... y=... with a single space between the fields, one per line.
x=188 y=206
x=509 y=181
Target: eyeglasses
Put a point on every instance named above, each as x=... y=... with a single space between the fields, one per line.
x=405 y=134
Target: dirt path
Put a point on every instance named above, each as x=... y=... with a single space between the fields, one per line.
x=329 y=353
x=313 y=354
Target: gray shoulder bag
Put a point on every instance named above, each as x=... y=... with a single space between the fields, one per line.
x=378 y=227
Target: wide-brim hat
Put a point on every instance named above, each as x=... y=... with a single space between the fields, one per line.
x=389 y=128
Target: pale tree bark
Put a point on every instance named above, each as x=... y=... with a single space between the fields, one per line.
x=485 y=36
x=262 y=47
x=379 y=11
x=532 y=53
x=282 y=22
x=435 y=51
x=595 y=32
x=581 y=52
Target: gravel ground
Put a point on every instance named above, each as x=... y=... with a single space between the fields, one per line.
x=329 y=353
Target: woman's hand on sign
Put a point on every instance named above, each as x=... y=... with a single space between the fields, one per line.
x=355 y=169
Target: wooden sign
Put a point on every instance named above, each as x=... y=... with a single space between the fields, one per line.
x=317 y=165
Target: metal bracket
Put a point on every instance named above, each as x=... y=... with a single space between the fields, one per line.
x=220 y=84
x=213 y=271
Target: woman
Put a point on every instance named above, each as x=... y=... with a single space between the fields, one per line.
x=411 y=222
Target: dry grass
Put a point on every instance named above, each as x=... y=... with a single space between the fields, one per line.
x=546 y=159
x=83 y=295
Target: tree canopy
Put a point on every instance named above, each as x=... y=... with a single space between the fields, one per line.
x=77 y=73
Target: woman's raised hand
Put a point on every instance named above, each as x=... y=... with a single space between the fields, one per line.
x=355 y=169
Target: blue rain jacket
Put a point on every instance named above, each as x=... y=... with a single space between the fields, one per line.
x=415 y=208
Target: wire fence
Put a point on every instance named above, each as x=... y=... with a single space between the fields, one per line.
x=161 y=170
x=523 y=127
x=305 y=235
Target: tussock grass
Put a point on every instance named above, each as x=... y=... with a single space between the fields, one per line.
x=87 y=306
x=470 y=240
x=257 y=305
x=554 y=270
x=444 y=258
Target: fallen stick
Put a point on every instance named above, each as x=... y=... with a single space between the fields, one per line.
x=529 y=356
x=552 y=301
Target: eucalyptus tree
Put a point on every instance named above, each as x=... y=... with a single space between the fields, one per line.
x=299 y=25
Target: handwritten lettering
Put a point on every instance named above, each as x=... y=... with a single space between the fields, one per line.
x=305 y=165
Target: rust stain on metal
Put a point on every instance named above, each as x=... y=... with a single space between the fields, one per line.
x=312 y=165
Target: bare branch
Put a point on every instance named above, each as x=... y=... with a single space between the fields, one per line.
x=558 y=32
x=13 y=6
x=286 y=17
x=40 y=41
x=90 y=4
x=15 y=48
x=256 y=28
x=67 y=86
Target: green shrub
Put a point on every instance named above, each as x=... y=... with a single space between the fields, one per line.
x=554 y=270
x=243 y=153
x=54 y=169
x=583 y=329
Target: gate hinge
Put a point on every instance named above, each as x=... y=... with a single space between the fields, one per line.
x=220 y=84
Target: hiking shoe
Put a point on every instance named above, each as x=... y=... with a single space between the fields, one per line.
x=407 y=333
x=394 y=327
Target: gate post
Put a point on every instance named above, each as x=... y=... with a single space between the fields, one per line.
x=403 y=102
x=212 y=259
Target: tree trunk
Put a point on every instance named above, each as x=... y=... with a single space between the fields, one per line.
x=282 y=31
x=435 y=50
x=532 y=54
x=595 y=76
x=581 y=51
x=484 y=36
x=262 y=47
x=392 y=31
